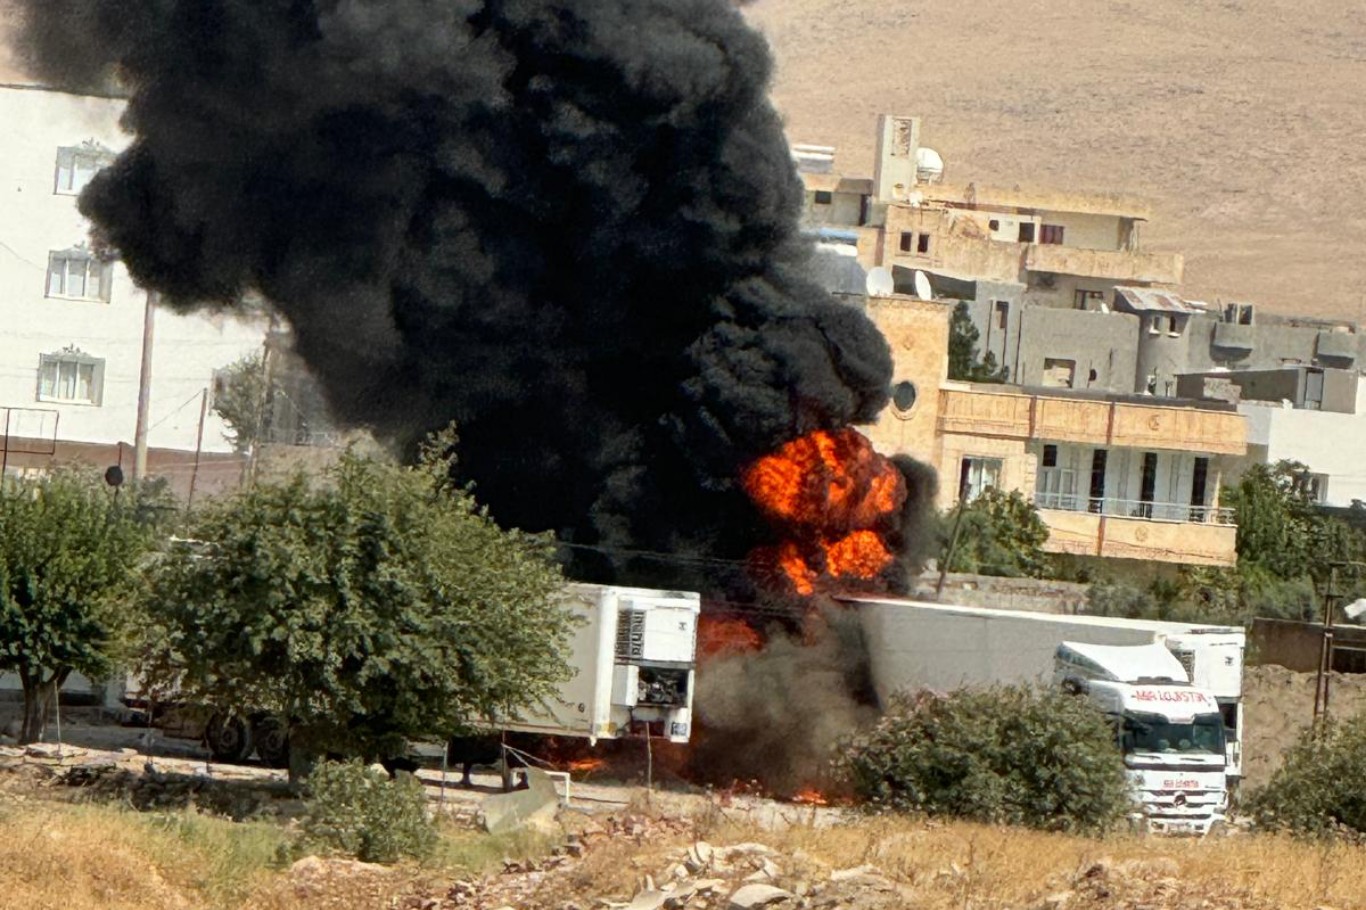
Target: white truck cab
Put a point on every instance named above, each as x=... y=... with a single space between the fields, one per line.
x=1170 y=732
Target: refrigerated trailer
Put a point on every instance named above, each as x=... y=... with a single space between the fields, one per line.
x=633 y=653
x=914 y=645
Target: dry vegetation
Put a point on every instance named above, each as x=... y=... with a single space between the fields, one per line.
x=56 y=855
x=1239 y=120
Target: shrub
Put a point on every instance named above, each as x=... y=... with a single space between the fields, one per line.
x=1015 y=755
x=358 y=811
x=1320 y=788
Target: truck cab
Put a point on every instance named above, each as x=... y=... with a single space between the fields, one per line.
x=1170 y=733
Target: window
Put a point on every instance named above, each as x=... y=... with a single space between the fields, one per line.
x=922 y=244
x=1051 y=233
x=1199 y=487
x=1002 y=308
x=1156 y=324
x=77 y=274
x=1098 y=461
x=976 y=476
x=907 y=239
x=76 y=165
x=1050 y=456
x=1085 y=300
x=903 y=396
x=824 y=197
x=993 y=225
x=1058 y=374
x=1147 y=485
x=1313 y=390
x=72 y=376
x=1026 y=232
x=1056 y=483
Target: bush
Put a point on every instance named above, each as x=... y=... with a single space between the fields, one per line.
x=1008 y=754
x=358 y=811
x=1320 y=789
x=1000 y=534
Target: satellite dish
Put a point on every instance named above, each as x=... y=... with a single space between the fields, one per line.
x=922 y=286
x=879 y=282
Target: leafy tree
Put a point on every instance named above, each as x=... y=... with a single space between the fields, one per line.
x=1280 y=526
x=69 y=561
x=1005 y=755
x=965 y=364
x=379 y=605
x=1320 y=788
x=1000 y=534
x=240 y=399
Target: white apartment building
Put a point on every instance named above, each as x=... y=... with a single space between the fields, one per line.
x=71 y=344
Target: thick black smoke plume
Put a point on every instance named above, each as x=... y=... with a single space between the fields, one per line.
x=570 y=226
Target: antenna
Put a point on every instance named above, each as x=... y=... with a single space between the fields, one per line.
x=879 y=282
x=922 y=286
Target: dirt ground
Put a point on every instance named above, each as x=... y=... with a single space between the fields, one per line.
x=1278 y=707
x=1238 y=120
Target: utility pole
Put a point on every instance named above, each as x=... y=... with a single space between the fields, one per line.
x=198 y=446
x=144 y=391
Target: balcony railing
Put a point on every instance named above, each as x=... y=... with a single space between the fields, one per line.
x=1133 y=508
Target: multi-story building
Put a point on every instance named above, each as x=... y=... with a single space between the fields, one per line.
x=71 y=350
x=1309 y=414
x=1119 y=476
x=1054 y=249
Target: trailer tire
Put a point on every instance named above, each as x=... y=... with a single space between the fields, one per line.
x=271 y=736
x=228 y=738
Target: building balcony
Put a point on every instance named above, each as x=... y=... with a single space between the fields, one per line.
x=1133 y=508
x=1122 y=529
x=1113 y=265
x=1071 y=417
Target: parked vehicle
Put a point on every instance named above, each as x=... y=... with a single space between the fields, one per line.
x=634 y=661
x=942 y=647
x=1170 y=732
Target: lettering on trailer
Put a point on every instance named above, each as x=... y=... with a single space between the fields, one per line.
x=1184 y=784
x=1179 y=696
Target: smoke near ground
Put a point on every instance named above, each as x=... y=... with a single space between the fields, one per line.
x=569 y=226
x=776 y=716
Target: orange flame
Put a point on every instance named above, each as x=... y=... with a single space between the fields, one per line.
x=831 y=491
x=811 y=796
x=718 y=636
x=586 y=764
x=827 y=479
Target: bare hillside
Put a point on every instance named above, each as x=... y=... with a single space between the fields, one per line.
x=1240 y=120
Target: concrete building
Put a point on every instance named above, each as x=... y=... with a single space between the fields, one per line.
x=71 y=351
x=1310 y=414
x=1057 y=249
x=1114 y=476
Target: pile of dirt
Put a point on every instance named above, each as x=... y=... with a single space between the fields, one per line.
x=1278 y=708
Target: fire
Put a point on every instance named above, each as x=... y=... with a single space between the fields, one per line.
x=831 y=491
x=719 y=635
x=581 y=765
x=811 y=796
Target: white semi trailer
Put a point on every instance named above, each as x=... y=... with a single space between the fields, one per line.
x=634 y=661
x=914 y=645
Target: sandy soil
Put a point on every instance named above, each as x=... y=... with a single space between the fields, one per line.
x=1239 y=120
x=1278 y=707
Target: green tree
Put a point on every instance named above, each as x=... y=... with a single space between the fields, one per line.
x=1000 y=534
x=965 y=364
x=69 y=561
x=1320 y=788
x=1280 y=526
x=1003 y=755
x=240 y=399
x=378 y=605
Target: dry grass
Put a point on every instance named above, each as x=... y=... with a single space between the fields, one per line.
x=85 y=857
x=958 y=865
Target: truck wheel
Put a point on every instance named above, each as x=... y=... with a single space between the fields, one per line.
x=271 y=736
x=228 y=738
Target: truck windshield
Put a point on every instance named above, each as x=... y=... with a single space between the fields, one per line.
x=1154 y=733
